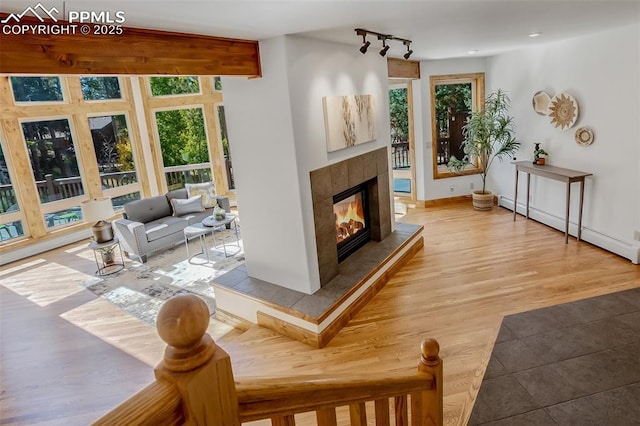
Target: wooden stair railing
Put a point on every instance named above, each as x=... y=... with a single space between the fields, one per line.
x=195 y=385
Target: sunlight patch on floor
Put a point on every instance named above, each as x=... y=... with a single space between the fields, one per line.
x=46 y=284
x=20 y=267
x=129 y=334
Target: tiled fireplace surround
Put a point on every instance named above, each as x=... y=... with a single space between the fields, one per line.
x=346 y=287
x=372 y=167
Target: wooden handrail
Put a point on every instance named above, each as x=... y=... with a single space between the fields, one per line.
x=261 y=398
x=195 y=385
x=157 y=404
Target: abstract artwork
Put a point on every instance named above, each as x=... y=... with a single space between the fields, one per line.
x=349 y=120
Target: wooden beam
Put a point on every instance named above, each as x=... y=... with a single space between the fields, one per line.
x=400 y=68
x=135 y=51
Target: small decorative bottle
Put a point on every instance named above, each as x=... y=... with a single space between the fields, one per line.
x=536 y=154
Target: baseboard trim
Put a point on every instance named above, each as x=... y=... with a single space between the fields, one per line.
x=449 y=200
x=233 y=320
x=621 y=248
x=21 y=249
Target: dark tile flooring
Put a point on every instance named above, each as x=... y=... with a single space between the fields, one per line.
x=571 y=364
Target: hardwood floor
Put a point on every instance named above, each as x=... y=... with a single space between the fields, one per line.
x=68 y=359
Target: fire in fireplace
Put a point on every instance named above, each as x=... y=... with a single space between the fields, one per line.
x=351 y=212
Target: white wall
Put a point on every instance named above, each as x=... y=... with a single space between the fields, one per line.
x=602 y=72
x=277 y=136
x=430 y=188
x=259 y=122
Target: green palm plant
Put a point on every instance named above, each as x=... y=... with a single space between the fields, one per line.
x=488 y=135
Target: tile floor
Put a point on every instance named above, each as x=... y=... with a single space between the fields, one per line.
x=572 y=364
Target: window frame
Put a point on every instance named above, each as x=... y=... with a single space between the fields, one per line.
x=477 y=81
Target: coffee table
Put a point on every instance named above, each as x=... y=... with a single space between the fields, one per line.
x=200 y=231
x=214 y=223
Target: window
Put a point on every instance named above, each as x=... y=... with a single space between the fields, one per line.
x=100 y=88
x=9 y=228
x=8 y=200
x=217 y=83
x=453 y=98
x=53 y=159
x=119 y=201
x=165 y=86
x=112 y=145
x=63 y=217
x=183 y=141
x=36 y=89
x=226 y=150
x=116 y=162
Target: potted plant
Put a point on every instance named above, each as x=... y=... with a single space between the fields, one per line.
x=488 y=135
x=538 y=155
x=107 y=254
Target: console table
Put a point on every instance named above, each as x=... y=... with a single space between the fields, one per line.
x=556 y=173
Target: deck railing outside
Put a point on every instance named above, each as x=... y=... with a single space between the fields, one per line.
x=178 y=176
x=400 y=158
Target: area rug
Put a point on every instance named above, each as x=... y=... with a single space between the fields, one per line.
x=140 y=289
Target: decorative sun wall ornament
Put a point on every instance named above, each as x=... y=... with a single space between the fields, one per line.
x=563 y=110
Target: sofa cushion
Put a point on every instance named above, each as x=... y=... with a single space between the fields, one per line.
x=164 y=226
x=178 y=193
x=148 y=209
x=190 y=205
x=207 y=190
x=197 y=217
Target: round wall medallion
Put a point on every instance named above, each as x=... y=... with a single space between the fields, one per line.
x=584 y=136
x=563 y=110
x=541 y=102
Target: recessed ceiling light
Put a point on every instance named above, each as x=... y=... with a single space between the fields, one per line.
x=532 y=35
x=472 y=52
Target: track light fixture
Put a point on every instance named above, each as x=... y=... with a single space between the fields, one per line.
x=409 y=51
x=384 y=37
x=385 y=48
x=365 y=43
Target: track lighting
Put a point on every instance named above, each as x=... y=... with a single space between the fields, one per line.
x=384 y=37
x=385 y=48
x=409 y=51
x=365 y=43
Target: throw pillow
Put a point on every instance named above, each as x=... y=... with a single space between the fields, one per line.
x=207 y=190
x=190 y=205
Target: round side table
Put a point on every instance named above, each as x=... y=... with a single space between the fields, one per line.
x=214 y=223
x=104 y=266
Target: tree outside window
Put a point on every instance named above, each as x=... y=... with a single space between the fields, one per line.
x=165 y=86
x=100 y=88
x=36 y=89
x=53 y=159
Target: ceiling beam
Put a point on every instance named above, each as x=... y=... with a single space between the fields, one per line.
x=135 y=51
x=400 y=68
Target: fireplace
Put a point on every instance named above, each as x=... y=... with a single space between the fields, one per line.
x=351 y=212
x=369 y=174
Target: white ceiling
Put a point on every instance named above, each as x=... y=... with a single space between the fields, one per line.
x=439 y=29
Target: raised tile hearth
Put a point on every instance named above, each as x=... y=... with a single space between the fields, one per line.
x=315 y=319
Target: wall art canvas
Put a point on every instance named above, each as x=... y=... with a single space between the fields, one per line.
x=349 y=120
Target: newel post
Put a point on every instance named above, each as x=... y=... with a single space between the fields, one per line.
x=431 y=363
x=199 y=369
